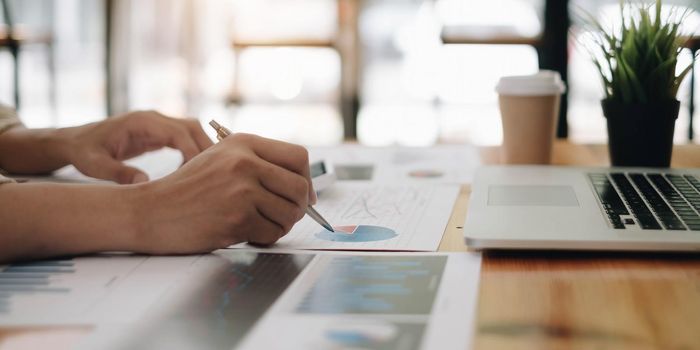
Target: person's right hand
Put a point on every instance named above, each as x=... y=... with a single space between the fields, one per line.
x=244 y=189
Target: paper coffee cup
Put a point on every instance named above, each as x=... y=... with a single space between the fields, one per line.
x=529 y=110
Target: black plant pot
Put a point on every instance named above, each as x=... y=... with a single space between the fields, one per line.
x=641 y=135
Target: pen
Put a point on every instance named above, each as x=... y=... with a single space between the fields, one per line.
x=222 y=132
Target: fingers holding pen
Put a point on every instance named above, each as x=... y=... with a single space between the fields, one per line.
x=265 y=232
x=280 y=194
x=245 y=189
x=262 y=215
x=284 y=183
x=279 y=210
x=282 y=189
x=287 y=156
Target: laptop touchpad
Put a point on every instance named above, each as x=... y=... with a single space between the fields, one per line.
x=550 y=196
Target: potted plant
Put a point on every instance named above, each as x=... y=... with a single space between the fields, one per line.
x=638 y=66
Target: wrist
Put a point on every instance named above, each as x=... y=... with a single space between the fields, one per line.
x=35 y=151
x=117 y=218
x=72 y=219
x=59 y=145
x=137 y=203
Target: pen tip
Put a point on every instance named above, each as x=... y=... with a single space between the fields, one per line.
x=330 y=229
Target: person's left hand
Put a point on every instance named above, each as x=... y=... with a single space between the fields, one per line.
x=98 y=149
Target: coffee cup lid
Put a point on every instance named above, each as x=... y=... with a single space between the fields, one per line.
x=543 y=83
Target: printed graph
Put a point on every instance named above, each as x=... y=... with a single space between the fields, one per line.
x=224 y=307
x=357 y=233
x=85 y=290
x=371 y=217
x=375 y=285
x=382 y=203
x=31 y=279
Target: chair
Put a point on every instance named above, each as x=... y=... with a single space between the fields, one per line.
x=14 y=38
x=345 y=42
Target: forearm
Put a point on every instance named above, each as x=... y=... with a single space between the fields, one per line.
x=34 y=151
x=45 y=220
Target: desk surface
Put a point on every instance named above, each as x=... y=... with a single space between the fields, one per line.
x=585 y=300
x=550 y=300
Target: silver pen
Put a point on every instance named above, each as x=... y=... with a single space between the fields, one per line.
x=222 y=132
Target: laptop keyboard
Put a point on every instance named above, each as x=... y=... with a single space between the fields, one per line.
x=653 y=201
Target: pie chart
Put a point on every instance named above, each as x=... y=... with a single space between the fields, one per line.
x=357 y=233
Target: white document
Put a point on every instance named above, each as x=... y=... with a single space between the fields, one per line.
x=370 y=216
x=399 y=301
x=272 y=299
x=446 y=164
x=252 y=299
x=91 y=290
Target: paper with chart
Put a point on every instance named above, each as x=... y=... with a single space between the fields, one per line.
x=446 y=164
x=325 y=300
x=136 y=302
x=376 y=217
x=405 y=301
x=257 y=299
x=102 y=289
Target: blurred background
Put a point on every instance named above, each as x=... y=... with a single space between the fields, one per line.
x=315 y=72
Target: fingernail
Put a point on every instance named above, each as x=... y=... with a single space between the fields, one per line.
x=139 y=178
x=314 y=197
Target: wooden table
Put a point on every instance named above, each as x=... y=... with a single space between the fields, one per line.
x=547 y=300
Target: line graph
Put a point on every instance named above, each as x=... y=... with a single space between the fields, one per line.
x=382 y=203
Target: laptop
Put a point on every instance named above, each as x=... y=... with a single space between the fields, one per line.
x=550 y=207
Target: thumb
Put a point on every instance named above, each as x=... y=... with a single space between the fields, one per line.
x=107 y=168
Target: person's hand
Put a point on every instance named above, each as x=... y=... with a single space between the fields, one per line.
x=244 y=189
x=98 y=149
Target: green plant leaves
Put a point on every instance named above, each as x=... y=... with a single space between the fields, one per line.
x=638 y=64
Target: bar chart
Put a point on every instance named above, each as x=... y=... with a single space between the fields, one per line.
x=85 y=290
x=375 y=285
x=31 y=279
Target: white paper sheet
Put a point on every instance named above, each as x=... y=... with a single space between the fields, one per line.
x=91 y=290
x=447 y=164
x=255 y=299
x=369 y=216
x=318 y=311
